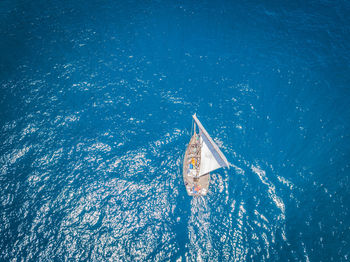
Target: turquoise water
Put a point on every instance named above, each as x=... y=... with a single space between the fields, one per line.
x=96 y=104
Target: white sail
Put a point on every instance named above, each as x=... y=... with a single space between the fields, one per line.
x=211 y=156
x=208 y=161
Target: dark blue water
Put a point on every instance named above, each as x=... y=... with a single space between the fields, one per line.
x=95 y=115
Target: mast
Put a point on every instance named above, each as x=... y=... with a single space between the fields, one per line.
x=194 y=127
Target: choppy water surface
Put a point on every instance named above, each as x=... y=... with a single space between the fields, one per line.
x=96 y=103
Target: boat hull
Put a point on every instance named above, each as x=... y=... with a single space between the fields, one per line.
x=195 y=186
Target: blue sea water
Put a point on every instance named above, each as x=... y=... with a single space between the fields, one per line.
x=95 y=115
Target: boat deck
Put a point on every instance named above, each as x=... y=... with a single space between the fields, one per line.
x=195 y=186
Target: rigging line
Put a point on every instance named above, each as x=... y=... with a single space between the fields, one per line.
x=192 y=131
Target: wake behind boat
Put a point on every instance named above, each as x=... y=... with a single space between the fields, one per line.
x=201 y=157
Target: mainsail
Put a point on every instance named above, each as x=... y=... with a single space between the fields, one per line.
x=211 y=156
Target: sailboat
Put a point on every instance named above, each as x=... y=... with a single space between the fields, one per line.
x=202 y=156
